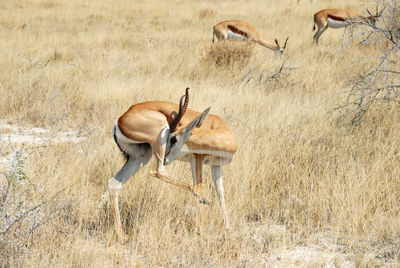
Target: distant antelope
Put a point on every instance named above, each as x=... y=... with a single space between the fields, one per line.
x=155 y=129
x=338 y=18
x=240 y=30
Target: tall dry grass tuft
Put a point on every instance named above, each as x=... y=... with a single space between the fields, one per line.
x=228 y=54
x=206 y=13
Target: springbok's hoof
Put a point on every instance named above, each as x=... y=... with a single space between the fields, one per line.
x=204 y=201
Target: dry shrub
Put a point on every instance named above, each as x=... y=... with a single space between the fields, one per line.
x=26 y=209
x=229 y=53
x=376 y=83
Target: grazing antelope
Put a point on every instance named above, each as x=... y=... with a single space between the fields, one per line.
x=240 y=30
x=155 y=129
x=338 y=18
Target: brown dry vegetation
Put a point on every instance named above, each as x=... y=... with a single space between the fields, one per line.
x=228 y=54
x=303 y=176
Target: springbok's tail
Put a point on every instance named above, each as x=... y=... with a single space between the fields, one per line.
x=313 y=29
x=213 y=33
x=125 y=154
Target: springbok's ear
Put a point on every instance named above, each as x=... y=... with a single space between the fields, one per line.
x=276 y=42
x=197 y=121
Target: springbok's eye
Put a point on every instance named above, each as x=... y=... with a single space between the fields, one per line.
x=173 y=140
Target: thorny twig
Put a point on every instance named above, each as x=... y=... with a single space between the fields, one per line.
x=264 y=78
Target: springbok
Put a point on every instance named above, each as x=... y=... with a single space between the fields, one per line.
x=155 y=129
x=338 y=18
x=240 y=30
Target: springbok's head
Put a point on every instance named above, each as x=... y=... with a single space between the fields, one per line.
x=280 y=49
x=373 y=18
x=178 y=136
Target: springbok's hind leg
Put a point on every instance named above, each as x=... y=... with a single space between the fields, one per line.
x=132 y=165
x=318 y=33
x=217 y=176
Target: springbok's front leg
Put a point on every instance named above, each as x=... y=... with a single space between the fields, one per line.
x=132 y=165
x=157 y=167
x=197 y=174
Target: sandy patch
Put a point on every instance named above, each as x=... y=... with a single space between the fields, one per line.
x=14 y=137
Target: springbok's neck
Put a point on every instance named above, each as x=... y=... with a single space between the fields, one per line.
x=268 y=44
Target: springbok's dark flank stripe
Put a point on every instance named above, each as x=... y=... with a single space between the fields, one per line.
x=336 y=17
x=237 y=31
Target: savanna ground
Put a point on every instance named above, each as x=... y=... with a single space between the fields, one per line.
x=306 y=188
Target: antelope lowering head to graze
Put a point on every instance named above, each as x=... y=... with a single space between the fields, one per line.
x=240 y=30
x=337 y=18
x=155 y=129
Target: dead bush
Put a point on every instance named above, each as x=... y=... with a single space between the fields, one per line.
x=377 y=85
x=394 y=21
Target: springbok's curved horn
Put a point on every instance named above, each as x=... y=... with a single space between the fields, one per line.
x=369 y=13
x=284 y=46
x=176 y=117
x=185 y=105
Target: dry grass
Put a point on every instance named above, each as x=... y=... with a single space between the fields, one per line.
x=229 y=53
x=302 y=176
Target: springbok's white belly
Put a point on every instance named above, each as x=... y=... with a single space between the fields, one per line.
x=336 y=23
x=234 y=36
x=213 y=158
